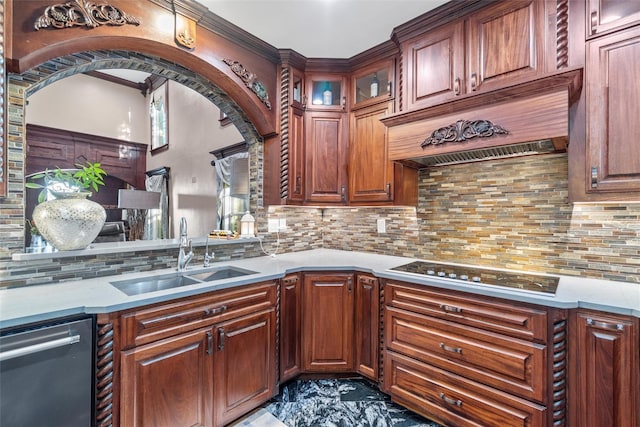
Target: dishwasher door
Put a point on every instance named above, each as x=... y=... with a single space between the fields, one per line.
x=46 y=376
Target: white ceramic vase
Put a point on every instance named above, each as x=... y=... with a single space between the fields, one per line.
x=70 y=221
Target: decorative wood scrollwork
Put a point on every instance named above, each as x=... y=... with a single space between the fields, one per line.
x=104 y=375
x=81 y=13
x=250 y=80
x=463 y=130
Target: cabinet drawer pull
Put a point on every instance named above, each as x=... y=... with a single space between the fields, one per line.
x=474 y=81
x=450 y=349
x=594 y=22
x=450 y=401
x=450 y=308
x=214 y=311
x=594 y=177
x=605 y=325
x=220 y=338
x=209 y=343
x=368 y=280
x=456 y=86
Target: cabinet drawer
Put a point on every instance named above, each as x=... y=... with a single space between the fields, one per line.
x=482 y=312
x=148 y=324
x=509 y=364
x=455 y=401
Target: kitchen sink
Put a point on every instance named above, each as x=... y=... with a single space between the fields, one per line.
x=144 y=285
x=153 y=284
x=221 y=273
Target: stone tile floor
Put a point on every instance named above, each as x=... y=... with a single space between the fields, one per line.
x=332 y=403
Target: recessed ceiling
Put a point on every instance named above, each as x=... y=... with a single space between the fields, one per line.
x=321 y=28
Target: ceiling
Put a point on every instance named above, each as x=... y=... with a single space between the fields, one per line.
x=314 y=28
x=321 y=28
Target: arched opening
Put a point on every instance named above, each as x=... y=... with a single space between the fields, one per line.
x=21 y=86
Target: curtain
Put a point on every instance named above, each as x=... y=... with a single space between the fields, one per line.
x=230 y=207
x=157 y=222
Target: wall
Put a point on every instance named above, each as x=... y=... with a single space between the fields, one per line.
x=194 y=131
x=89 y=105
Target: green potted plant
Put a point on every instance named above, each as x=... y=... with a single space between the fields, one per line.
x=69 y=221
x=86 y=177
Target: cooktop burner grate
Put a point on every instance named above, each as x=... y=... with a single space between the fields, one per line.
x=522 y=281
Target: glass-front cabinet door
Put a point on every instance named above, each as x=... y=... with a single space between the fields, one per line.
x=604 y=16
x=372 y=84
x=327 y=92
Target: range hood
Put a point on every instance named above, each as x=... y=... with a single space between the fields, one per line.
x=526 y=119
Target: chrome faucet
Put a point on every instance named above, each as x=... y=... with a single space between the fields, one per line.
x=185 y=243
x=207 y=257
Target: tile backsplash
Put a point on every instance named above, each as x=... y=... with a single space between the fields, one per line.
x=510 y=213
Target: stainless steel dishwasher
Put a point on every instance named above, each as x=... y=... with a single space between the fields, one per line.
x=46 y=375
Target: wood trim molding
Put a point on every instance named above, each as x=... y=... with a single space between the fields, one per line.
x=81 y=13
x=562 y=34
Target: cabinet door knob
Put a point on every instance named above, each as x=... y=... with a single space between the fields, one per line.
x=456 y=86
x=220 y=338
x=594 y=177
x=474 y=81
x=450 y=401
x=594 y=21
x=605 y=325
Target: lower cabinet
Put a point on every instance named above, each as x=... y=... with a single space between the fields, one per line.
x=606 y=373
x=169 y=382
x=290 y=325
x=327 y=322
x=244 y=365
x=467 y=360
x=201 y=361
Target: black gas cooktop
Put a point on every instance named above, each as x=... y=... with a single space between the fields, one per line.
x=523 y=281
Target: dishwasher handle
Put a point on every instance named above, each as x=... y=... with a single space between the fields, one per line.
x=36 y=348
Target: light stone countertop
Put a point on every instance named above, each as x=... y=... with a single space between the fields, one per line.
x=24 y=305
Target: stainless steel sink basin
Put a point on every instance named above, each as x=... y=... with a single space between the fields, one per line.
x=144 y=285
x=221 y=273
x=153 y=284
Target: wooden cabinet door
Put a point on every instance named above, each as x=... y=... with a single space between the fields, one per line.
x=607 y=375
x=290 y=324
x=610 y=15
x=327 y=322
x=367 y=326
x=326 y=157
x=434 y=66
x=613 y=127
x=370 y=171
x=296 y=155
x=505 y=44
x=244 y=365
x=168 y=382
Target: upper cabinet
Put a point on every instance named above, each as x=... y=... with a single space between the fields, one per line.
x=327 y=92
x=611 y=15
x=475 y=54
x=372 y=84
x=613 y=90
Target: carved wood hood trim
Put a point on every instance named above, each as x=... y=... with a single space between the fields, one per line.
x=463 y=130
x=533 y=111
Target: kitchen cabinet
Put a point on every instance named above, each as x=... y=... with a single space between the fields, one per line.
x=612 y=91
x=169 y=382
x=606 y=374
x=290 y=327
x=467 y=360
x=244 y=364
x=328 y=322
x=371 y=176
x=203 y=360
x=477 y=53
x=326 y=157
x=607 y=16
x=372 y=84
x=367 y=326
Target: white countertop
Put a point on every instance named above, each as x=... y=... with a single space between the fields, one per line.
x=23 y=305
